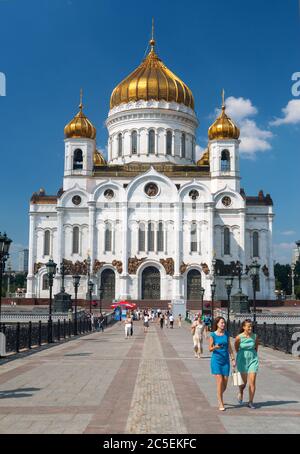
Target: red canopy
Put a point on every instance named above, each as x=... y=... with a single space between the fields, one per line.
x=125 y=304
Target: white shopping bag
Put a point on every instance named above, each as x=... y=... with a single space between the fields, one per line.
x=237 y=379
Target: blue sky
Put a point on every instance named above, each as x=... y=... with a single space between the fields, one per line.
x=51 y=48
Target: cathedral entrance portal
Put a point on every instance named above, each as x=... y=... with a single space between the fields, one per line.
x=151 y=283
x=193 y=285
x=108 y=282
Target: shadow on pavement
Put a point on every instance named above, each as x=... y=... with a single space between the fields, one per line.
x=17 y=393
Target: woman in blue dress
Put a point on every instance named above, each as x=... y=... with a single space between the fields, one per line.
x=219 y=345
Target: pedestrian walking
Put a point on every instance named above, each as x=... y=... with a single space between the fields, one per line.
x=207 y=323
x=161 y=321
x=166 y=320
x=197 y=330
x=219 y=345
x=171 y=320
x=127 y=323
x=146 y=322
x=179 y=320
x=246 y=346
x=131 y=329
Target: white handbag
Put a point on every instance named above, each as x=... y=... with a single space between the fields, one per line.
x=237 y=379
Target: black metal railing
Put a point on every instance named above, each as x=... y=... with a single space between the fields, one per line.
x=278 y=337
x=25 y=336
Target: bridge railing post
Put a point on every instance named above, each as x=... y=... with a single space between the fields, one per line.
x=29 y=334
x=18 y=337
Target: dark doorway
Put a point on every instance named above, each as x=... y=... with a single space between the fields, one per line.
x=193 y=285
x=151 y=283
x=108 y=282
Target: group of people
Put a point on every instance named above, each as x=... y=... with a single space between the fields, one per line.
x=246 y=362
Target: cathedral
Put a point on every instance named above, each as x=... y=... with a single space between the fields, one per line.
x=151 y=222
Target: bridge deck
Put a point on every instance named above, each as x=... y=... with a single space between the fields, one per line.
x=102 y=383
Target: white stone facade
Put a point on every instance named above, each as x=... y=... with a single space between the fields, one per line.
x=188 y=231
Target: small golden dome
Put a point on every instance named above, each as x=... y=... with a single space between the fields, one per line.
x=80 y=125
x=204 y=160
x=99 y=159
x=223 y=127
x=152 y=80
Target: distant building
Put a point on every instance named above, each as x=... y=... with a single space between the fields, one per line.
x=23 y=260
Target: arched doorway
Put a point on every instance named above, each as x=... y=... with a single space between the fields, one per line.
x=151 y=283
x=108 y=282
x=193 y=285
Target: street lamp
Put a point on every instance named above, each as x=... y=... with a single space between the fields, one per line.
x=213 y=287
x=254 y=268
x=5 y=243
x=202 y=291
x=91 y=286
x=51 y=270
x=76 y=282
x=293 y=268
x=228 y=285
x=100 y=298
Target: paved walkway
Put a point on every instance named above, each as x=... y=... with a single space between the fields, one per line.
x=104 y=384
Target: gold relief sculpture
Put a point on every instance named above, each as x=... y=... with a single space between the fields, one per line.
x=118 y=265
x=37 y=267
x=183 y=267
x=97 y=266
x=205 y=268
x=265 y=270
x=134 y=263
x=168 y=265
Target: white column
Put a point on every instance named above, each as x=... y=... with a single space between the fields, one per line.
x=178 y=249
x=146 y=238
x=60 y=244
x=242 y=251
x=92 y=218
x=166 y=238
x=199 y=239
x=138 y=143
x=173 y=143
x=125 y=232
x=210 y=236
x=31 y=281
x=155 y=238
x=113 y=237
x=156 y=143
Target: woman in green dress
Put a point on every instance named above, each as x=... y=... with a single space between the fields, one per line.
x=246 y=346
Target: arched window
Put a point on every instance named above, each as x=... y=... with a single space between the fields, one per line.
x=134 y=142
x=108 y=238
x=75 y=243
x=142 y=237
x=160 y=237
x=255 y=244
x=47 y=242
x=120 y=145
x=150 y=236
x=194 y=237
x=151 y=142
x=169 y=142
x=183 y=145
x=77 y=159
x=45 y=282
x=225 y=161
x=226 y=241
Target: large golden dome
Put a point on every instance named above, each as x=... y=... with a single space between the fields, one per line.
x=223 y=127
x=80 y=126
x=152 y=80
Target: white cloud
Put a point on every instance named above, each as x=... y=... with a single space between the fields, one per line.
x=253 y=138
x=288 y=232
x=283 y=252
x=240 y=108
x=291 y=114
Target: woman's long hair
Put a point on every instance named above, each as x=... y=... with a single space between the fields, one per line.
x=216 y=321
x=244 y=324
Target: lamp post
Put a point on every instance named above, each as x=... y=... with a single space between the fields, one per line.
x=202 y=291
x=293 y=267
x=9 y=275
x=5 y=243
x=51 y=270
x=213 y=291
x=100 y=298
x=91 y=286
x=228 y=285
x=76 y=282
x=254 y=268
